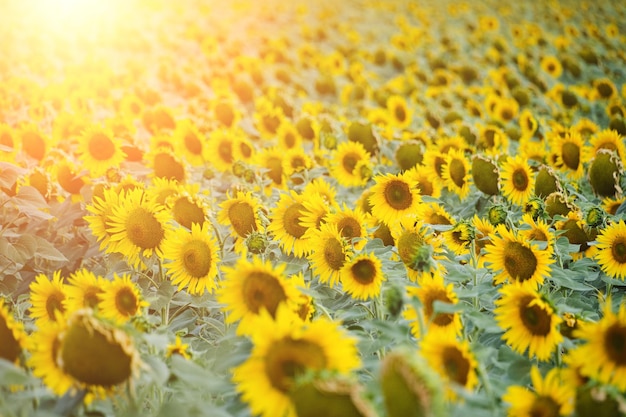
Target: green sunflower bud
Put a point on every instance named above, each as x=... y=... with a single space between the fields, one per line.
x=239 y=167
x=393 y=301
x=410 y=388
x=313 y=397
x=595 y=217
x=362 y=133
x=535 y=207
x=604 y=173
x=257 y=243
x=497 y=215
x=546 y=182
x=485 y=175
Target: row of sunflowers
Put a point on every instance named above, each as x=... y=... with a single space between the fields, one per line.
x=275 y=208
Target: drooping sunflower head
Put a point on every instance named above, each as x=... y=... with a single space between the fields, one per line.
x=577 y=233
x=604 y=173
x=485 y=175
x=416 y=245
x=166 y=164
x=546 y=182
x=188 y=208
x=409 y=154
x=11 y=333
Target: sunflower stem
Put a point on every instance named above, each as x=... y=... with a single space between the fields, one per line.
x=484 y=376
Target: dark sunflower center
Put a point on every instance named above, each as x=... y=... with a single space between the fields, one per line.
x=349 y=161
x=166 y=166
x=536 y=320
x=615 y=343
x=349 y=228
x=437 y=218
x=34 y=145
x=225 y=151
x=544 y=406
x=271 y=122
x=193 y=144
x=54 y=303
x=90 y=298
x=101 y=147
x=333 y=254
x=571 y=155
x=288 y=358
x=289 y=140
x=241 y=216
x=263 y=290
x=618 y=250
x=520 y=262
x=10 y=347
x=440 y=319
x=425 y=187
x=126 y=302
x=457 y=172
x=439 y=163
x=456 y=365
x=224 y=113
x=275 y=167
x=364 y=271
x=520 y=180
x=398 y=195
x=187 y=212
x=197 y=258
x=537 y=234
x=400 y=113
x=291 y=220
x=143 y=229
x=94 y=357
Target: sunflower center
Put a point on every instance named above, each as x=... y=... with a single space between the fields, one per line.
x=538 y=234
x=126 y=302
x=519 y=261
x=440 y=319
x=398 y=195
x=270 y=122
x=333 y=254
x=275 y=167
x=95 y=356
x=263 y=290
x=10 y=347
x=143 y=229
x=456 y=366
x=34 y=145
x=101 y=147
x=571 y=155
x=187 y=212
x=408 y=245
x=166 y=166
x=364 y=271
x=457 y=172
x=287 y=358
x=197 y=258
x=225 y=151
x=241 y=216
x=520 y=180
x=536 y=319
x=439 y=162
x=544 y=406
x=90 y=298
x=618 y=250
x=291 y=220
x=349 y=227
x=193 y=144
x=349 y=161
x=54 y=303
x=615 y=344
x=400 y=113
x=425 y=187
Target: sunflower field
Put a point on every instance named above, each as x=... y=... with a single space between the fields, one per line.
x=312 y=208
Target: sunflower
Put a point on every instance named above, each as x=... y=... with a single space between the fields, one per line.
x=452 y=360
x=178 y=348
x=551 y=66
x=434 y=160
x=241 y=214
x=11 y=333
x=516 y=180
x=611 y=250
x=161 y=189
x=536 y=231
x=296 y=163
x=604 y=342
x=137 y=227
x=434 y=214
x=190 y=142
x=271 y=161
x=316 y=209
x=432 y=288
x=285 y=348
x=83 y=290
x=456 y=173
x=166 y=164
x=102 y=210
x=43 y=345
x=351 y=224
x=568 y=150
x=528 y=124
x=573 y=227
x=187 y=206
x=392 y=197
x=267 y=117
x=70 y=178
x=121 y=299
x=606 y=139
x=191 y=258
x=529 y=321
x=329 y=253
x=459 y=238
x=612 y=204
x=553 y=395
x=288 y=136
x=323 y=188
x=250 y=287
x=517 y=259
x=483 y=230
x=426 y=183
x=400 y=115
x=221 y=148
x=344 y=161
x=418 y=248
x=8 y=142
x=99 y=150
x=33 y=142
x=362 y=276
x=286 y=224
x=46 y=298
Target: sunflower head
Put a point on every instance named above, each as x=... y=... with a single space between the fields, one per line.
x=535 y=206
x=485 y=175
x=546 y=182
x=11 y=334
x=317 y=396
x=557 y=204
x=96 y=354
x=257 y=242
x=409 y=154
x=363 y=134
x=497 y=215
x=595 y=217
x=604 y=173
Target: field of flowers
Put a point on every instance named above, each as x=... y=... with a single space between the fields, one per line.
x=312 y=208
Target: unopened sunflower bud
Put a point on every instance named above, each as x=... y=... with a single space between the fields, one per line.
x=497 y=215
x=393 y=301
x=595 y=217
x=410 y=388
x=604 y=173
x=535 y=207
x=256 y=243
x=249 y=175
x=485 y=175
x=239 y=168
x=330 y=142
